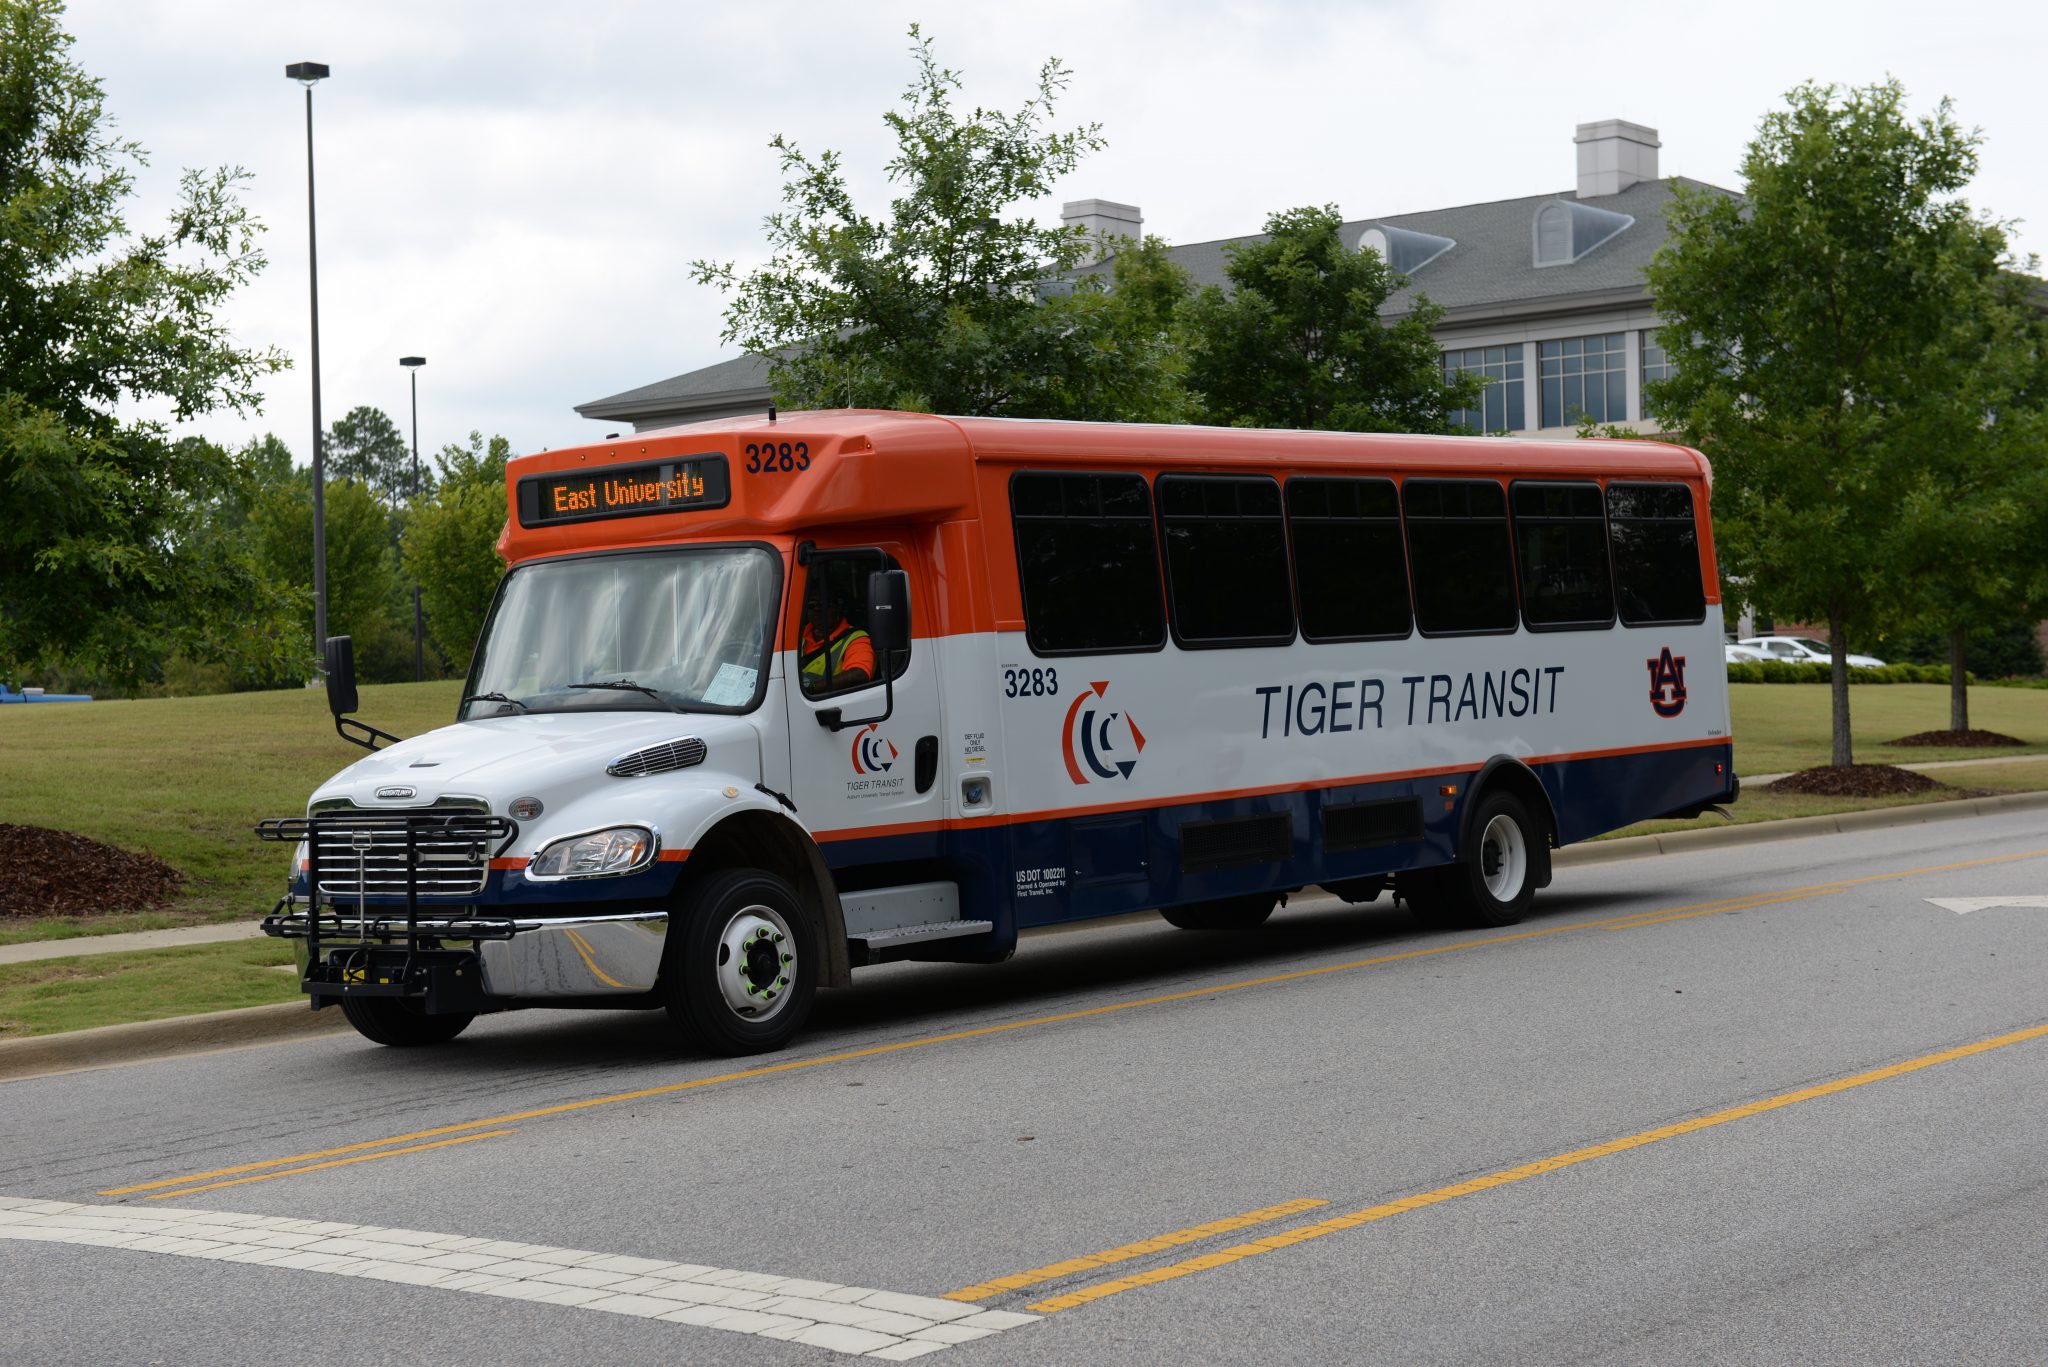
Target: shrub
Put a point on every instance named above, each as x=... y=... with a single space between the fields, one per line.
x=1814 y=672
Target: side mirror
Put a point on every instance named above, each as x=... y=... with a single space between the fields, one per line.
x=339 y=665
x=889 y=616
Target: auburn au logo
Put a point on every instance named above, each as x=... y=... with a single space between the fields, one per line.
x=1667 y=683
x=1095 y=742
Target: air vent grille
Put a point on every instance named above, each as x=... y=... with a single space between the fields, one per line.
x=1364 y=825
x=1236 y=842
x=680 y=753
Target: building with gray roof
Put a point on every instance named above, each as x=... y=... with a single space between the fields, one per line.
x=1544 y=296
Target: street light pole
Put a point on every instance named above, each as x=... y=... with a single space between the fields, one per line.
x=309 y=74
x=419 y=638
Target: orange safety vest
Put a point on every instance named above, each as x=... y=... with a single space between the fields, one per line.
x=848 y=649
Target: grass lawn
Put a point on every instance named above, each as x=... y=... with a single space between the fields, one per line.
x=1760 y=804
x=1783 y=727
x=50 y=995
x=185 y=779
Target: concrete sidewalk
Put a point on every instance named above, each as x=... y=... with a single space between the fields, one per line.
x=32 y=951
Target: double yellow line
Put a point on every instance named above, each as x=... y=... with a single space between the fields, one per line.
x=271 y=1168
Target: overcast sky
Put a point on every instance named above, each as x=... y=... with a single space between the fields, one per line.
x=515 y=190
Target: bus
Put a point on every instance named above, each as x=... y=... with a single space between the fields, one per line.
x=764 y=701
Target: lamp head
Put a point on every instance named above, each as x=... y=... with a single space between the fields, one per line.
x=306 y=73
x=412 y=362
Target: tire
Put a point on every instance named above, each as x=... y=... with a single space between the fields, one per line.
x=1493 y=882
x=399 y=1024
x=741 y=967
x=1248 y=912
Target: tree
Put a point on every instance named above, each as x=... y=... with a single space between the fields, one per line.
x=1835 y=346
x=365 y=597
x=98 y=566
x=451 y=543
x=958 y=301
x=366 y=446
x=1298 y=340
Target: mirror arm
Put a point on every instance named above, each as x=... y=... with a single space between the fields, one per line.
x=831 y=719
x=347 y=727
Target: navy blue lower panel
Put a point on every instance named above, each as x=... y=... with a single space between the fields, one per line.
x=1043 y=872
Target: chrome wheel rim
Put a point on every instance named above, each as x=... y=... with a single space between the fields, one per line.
x=757 y=962
x=1503 y=858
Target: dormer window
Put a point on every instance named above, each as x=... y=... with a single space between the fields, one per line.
x=1403 y=249
x=1566 y=231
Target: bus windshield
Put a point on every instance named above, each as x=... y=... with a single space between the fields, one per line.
x=679 y=630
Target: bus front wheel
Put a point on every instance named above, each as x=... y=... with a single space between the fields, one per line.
x=1493 y=882
x=1225 y=913
x=740 y=967
x=400 y=1024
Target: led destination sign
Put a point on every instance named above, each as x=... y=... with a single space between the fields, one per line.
x=667 y=486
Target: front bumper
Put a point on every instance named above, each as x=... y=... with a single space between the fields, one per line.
x=475 y=962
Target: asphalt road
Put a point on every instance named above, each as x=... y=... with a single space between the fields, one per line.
x=1756 y=1105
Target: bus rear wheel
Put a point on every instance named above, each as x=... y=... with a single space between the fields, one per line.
x=399 y=1024
x=1493 y=882
x=1225 y=913
x=740 y=968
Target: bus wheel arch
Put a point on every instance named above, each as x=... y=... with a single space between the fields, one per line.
x=1504 y=773
x=766 y=840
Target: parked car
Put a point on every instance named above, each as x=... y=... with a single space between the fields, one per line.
x=1802 y=650
x=1740 y=654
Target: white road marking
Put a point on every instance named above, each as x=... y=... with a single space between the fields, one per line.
x=845 y=1319
x=1963 y=906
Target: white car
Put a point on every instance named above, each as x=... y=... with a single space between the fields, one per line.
x=1802 y=650
x=1741 y=655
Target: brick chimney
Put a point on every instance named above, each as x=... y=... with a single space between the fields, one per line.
x=1613 y=155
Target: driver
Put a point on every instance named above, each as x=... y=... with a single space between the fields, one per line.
x=832 y=657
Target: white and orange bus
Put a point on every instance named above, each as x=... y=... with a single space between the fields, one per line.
x=761 y=702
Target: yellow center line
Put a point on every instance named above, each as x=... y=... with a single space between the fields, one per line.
x=1158 y=1243
x=1337 y=1224
x=337 y=1163
x=1084 y=1013
x=582 y=947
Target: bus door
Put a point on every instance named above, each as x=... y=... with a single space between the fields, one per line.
x=863 y=783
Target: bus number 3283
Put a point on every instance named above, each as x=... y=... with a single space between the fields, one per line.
x=1031 y=683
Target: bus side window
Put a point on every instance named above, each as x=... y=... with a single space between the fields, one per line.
x=834 y=652
x=1088 y=563
x=1350 y=573
x=1458 y=548
x=1561 y=551
x=1656 y=554
x=1226 y=560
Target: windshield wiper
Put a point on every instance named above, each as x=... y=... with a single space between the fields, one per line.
x=628 y=686
x=497 y=697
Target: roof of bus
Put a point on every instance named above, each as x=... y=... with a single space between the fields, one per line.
x=872 y=465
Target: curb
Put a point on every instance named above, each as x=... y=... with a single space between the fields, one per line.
x=1794 y=828
x=104 y=1045
x=41 y=1055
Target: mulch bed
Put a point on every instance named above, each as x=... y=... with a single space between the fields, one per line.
x=54 y=873
x=1855 y=780
x=1960 y=738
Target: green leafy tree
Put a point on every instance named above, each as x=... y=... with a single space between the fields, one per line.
x=1834 y=339
x=366 y=598
x=100 y=568
x=366 y=446
x=451 y=543
x=1297 y=341
x=958 y=300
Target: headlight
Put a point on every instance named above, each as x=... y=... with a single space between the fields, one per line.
x=617 y=849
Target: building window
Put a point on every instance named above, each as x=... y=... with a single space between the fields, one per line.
x=1584 y=377
x=1226 y=560
x=1501 y=406
x=1088 y=563
x=1656 y=366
